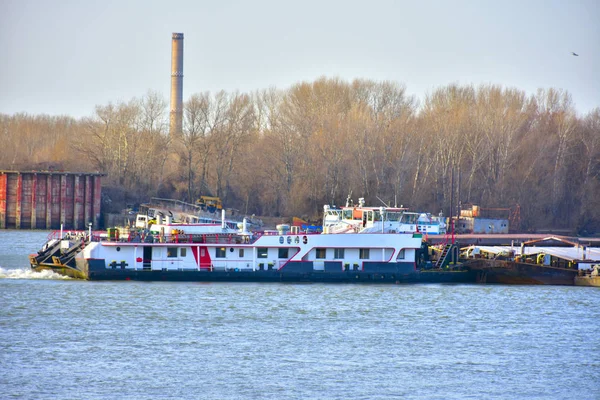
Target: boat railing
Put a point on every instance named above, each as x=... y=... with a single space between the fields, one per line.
x=428 y=223
x=139 y=237
x=213 y=265
x=209 y=238
x=68 y=235
x=311 y=229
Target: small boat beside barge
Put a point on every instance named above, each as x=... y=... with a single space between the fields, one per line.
x=589 y=277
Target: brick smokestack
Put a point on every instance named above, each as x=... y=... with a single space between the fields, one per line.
x=176 y=115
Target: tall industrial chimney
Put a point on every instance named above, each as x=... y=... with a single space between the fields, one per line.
x=176 y=116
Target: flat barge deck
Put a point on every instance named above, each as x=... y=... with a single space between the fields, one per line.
x=506 y=239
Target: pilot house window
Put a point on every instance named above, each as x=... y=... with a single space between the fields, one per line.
x=364 y=254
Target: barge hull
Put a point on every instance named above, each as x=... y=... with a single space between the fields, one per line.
x=274 y=276
x=294 y=272
x=519 y=273
x=116 y=274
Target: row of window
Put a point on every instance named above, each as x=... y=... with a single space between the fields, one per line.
x=370 y=215
x=263 y=252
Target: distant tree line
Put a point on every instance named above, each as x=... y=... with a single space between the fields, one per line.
x=288 y=152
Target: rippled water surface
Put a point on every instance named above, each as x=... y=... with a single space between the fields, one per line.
x=63 y=338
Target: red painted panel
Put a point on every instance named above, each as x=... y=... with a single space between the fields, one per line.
x=32 y=204
x=205 y=261
x=68 y=200
x=87 y=214
x=78 y=217
x=55 y=199
x=3 y=192
x=11 y=200
x=26 y=186
x=49 y=202
x=97 y=195
x=18 y=200
x=40 y=201
x=63 y=199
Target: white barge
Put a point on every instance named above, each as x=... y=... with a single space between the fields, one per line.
x=213 y=252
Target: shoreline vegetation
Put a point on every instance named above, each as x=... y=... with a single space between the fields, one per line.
x=287 y=152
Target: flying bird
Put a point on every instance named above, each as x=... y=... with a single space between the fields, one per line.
x=575 y=54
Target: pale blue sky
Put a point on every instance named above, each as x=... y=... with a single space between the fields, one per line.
x=65 y=57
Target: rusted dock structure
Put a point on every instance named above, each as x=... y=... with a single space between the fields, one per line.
x=47 y=199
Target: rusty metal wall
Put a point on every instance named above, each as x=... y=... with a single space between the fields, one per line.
x=27 y=194
x=87 y=204
x=39 y=203
x=96 y=199
x=3 y=185
x=176 y=115
x=78 y=190
x=44 y=200
x=11 y=200
x=54 y=201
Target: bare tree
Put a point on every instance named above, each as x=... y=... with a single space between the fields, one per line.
x=238 y=125
x=195 y=131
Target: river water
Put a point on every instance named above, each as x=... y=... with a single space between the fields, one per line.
x=70 y=339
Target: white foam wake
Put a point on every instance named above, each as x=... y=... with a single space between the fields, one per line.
x=26 y=273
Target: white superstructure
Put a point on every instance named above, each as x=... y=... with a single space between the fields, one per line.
x=361 y=219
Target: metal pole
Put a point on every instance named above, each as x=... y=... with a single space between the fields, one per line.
x=176 y=117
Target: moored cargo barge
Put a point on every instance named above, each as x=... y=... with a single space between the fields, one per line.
x=532 y=262
x=520 y=273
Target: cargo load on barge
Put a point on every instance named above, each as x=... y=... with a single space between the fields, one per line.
x=219 y=252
